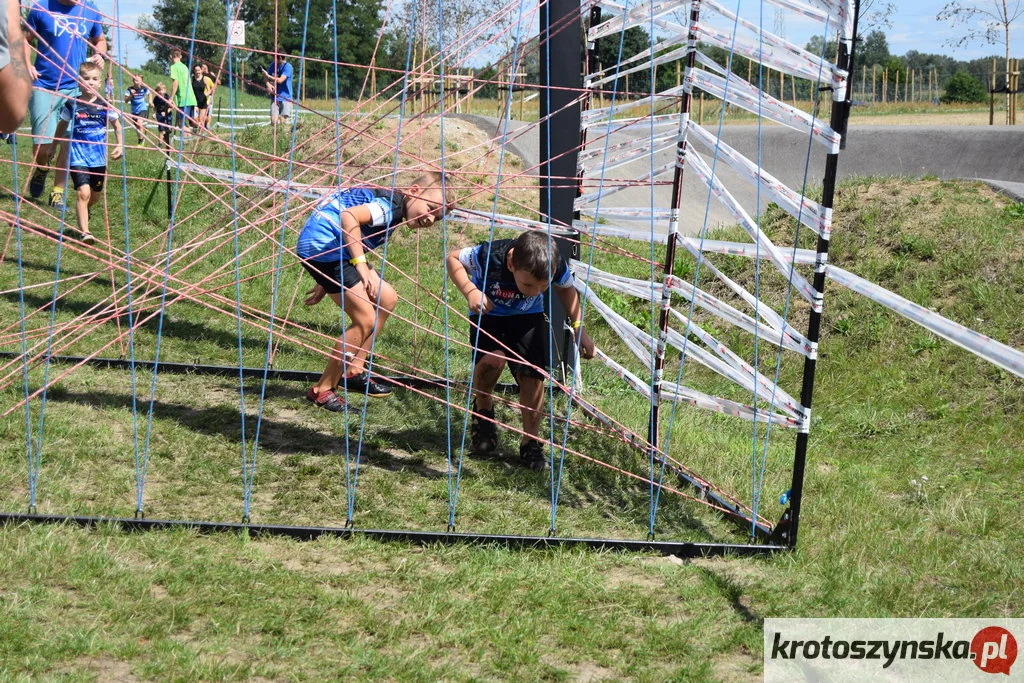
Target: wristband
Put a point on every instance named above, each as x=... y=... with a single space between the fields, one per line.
x=357 y=260
x=577 y=324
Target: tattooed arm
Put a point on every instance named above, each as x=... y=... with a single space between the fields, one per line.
x=15 y=80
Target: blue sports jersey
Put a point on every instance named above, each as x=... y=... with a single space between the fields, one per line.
x=284 y=89
x=138 y=95
x=321 y=238
x=500 y=286
x=87 y=125
x=63 y=31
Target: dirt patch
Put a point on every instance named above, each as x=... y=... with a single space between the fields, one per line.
x=591 y=672
x=739 y=667
x=620 y=577
x=105 y=669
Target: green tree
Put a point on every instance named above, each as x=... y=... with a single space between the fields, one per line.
x=176 y=22
x=964 y=88
x=984 y=21
x=619 y=47
x=271 y=24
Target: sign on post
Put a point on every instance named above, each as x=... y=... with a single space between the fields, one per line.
x=236 y=32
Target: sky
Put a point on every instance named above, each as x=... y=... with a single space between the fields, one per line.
x=913 y=28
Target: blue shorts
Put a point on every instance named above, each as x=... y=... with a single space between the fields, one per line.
x=44 y=108
x=189 y=112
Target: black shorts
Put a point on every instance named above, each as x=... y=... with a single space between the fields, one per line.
x=329 y=273
x=526 y=335
x=84 y=175
x=163 y=120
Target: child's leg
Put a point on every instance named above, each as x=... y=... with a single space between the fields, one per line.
x=531 y=396
x=485 y=377
x=82 y=208
x=366 y=321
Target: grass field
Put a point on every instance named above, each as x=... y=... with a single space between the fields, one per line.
x=910 y=510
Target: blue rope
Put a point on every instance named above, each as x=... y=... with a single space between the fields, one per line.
x=249 y=476
x=452 y=484
x=590 y=264
x=490 y=238
x=789 y=291
x=132 y=371
x=35 y=463
x=175 y=189
x=384 y=260
x=700 y=260
x=350 y=499
x=31 y=460
x=237 y=248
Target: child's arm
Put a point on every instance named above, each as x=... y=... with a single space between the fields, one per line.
x=571 y=302
x=478 y=301
x=119 y=136
x=352 y=220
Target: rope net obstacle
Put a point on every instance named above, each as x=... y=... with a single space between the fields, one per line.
x=157 y=372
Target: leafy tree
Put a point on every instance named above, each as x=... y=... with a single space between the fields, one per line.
x=984 y=21
x=176 y=19
x=963 y=87
x=269 y=24
x=619 y=47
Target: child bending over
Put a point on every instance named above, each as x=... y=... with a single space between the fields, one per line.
x=507 y=308
x=333 y=246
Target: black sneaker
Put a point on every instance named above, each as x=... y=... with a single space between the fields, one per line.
x=364 y=384
x=37 y=184
x=483 y=432
x=532 y=457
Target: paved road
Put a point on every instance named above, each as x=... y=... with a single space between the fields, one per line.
x=994 y=154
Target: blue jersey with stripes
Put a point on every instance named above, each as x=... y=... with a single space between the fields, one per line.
x=87 y=128
x=138 y=99
x=500 y=284
x=321 y=238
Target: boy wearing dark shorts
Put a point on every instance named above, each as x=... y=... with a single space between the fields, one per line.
x=86 y=119
x=162 y=107
x=504 y=282
x=333 y=244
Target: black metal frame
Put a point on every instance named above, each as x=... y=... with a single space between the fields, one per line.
x=310 y=533
x=789 y=525
x=560 y=132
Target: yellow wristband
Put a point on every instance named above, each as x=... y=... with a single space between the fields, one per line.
x=357 y=260
x=577 y=324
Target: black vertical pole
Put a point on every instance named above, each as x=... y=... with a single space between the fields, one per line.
x=790 y=522
x=561 y=81
x=673 y=232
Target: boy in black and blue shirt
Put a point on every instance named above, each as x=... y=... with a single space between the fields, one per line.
x=139 y=97
x=504 y=282
x=86 y=120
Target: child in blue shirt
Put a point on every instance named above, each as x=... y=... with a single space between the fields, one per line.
x=139 y=97
x=86 y=120
x=504 y=282
x=333 y=244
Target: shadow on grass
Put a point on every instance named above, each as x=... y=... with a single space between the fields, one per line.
x=172 y=326
x=277 y=436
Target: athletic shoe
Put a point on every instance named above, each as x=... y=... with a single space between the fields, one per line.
x=88 y=238
x=57 y=196
x=328 y=400
x=483 y=432
x=531 y=456
x=364 y=384
x=37 y=184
